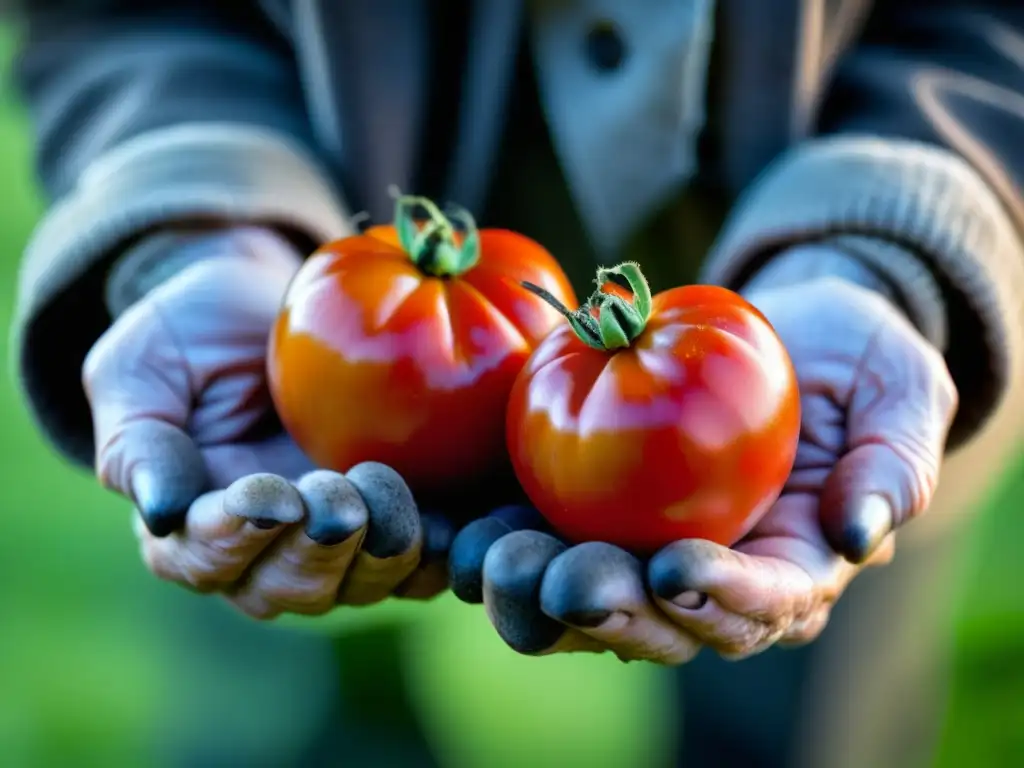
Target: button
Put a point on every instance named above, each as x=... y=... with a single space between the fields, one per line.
x=605 y=47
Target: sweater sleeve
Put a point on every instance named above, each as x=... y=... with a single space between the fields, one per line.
x=147 y=115
x=918 y=156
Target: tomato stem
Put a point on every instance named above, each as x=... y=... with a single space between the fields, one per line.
x=607 y=321
x=582 y=322
x=630 y=272
x=440 y=245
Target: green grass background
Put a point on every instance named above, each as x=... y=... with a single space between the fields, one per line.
x=95 y=666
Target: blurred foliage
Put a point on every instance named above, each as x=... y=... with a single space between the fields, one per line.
x=102 y=665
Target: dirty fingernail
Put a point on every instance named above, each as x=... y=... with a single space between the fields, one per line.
x=265 y=500
x=869 y=523
x=466 y=557
x=161 y=512
x=335 y=509
x=671 y=579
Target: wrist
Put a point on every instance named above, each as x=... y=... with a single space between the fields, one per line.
x=159 y=256
x=810 y=261
x=873 y=263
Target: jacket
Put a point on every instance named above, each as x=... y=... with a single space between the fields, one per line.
x=896 y=120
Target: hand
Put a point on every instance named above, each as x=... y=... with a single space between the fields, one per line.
x=877 y=403
x=184 y=427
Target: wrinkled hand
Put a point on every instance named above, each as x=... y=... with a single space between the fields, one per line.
x=227 y=503
x=877 y=403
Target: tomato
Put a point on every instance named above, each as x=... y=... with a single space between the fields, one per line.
x=401 y=345
x=645 y=420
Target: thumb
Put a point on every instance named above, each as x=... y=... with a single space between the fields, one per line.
x=900 y=411
x=138 y=388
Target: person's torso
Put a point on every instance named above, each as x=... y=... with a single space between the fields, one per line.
x=604 y=130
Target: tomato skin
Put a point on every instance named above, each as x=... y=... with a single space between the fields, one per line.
x=690 y=432
x=373 y=359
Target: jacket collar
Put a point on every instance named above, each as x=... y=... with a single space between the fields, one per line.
x=367 y=76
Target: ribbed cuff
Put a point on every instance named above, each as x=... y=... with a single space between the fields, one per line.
x=201 y=172
x=208 y=173
x=159 y=257
x=927 y=202
x=910 y=284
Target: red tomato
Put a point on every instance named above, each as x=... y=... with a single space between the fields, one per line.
x=646 y=421
x=400 y=345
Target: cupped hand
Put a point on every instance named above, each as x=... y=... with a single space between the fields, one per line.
x=877 y=404
x=184 y=427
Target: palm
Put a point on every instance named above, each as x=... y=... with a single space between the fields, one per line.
x=828 y=376
x=850 y=350
x=218 y=338
x=833 y=370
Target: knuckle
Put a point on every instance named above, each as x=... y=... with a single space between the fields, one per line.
x=748 y=647
x=205 y=576
x=944 y=396
x=680 y=652
x=741 y=639
x=919 y=457
x=948 y=394
x=121 y=350
x=301 y=593
x=98 y=361
x=157 y=565
x=805 y=631
x=825 y=595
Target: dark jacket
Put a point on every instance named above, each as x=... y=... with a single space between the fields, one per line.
x=901 y=121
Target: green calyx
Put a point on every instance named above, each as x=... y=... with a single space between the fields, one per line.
x=606 y=320
x=432 y=238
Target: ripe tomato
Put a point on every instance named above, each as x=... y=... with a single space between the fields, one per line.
x=647 y=420
x=401 y=344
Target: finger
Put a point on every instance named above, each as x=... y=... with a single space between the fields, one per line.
x=884 y=553
x=737 y=603
x=140 y=397
x=394 y=536
x=805 y=631
x=599 y=590
x=732 y=635
x=225 y=531
x=513 y=571
x=431 y=576
x=470 y=547
x=302 y=570
x=898 y=418
x=165 y=473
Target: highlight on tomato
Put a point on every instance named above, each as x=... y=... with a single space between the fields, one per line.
x=401 y=345
x=644 y=420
